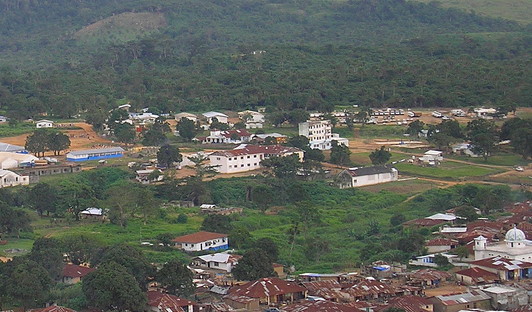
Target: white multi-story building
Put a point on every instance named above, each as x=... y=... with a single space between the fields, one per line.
x=319 y=134
x=248 y=157
x=228 y=137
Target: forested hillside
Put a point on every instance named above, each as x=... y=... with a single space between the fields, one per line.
x=63 y=57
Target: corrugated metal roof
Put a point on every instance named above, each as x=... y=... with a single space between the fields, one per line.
x=97 y=151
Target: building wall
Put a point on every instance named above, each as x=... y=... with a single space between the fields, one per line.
x=467 y=280
x=316 y=130
x=439 y=307
x=375 y=179
x=13 y=179
x=236 y=163
x=215 y=244
x=93 y=156
x=437 y=249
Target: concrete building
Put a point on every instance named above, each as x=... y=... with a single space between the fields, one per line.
x=200 y=241
x=188 y=116
x=505 y=297
x=506 y=269
x=355 y=177
x=222 y=118
x=248 y=157
x=9 y=178
x=10 y=160
x=319 y=134
x=44 y=124
x=475 y=299
x=95 y=154
x=218 y=261
x=515 y=246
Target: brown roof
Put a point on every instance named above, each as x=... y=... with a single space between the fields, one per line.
x=72 y=270
x=501 y=263
x=167 y=302
x=266 y=287
x=479 y=275
x=407 y=303
x=441 y=242
x=371 y=288
x=485 y=225
x=53 y=308
x=425 y=222
x=198 y=237
x=430 y=274
x=319 y=306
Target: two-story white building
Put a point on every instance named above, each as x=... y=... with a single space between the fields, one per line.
x=319 y=134
x=248 y=157
x=355 y=177
x=200 y=241
x=9 y=178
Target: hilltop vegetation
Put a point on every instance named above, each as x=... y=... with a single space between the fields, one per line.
x=516 y=10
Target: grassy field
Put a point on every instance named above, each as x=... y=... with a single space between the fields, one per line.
x=449 y=170
x=7 y=131
x=497 y=160
x=362 y=158
x=401 y=187
x=16 y=243
x=380 y=131
x=517 y=10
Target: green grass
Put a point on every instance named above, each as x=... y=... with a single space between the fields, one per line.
x=362 y=158
x=19 y=243
x=517 y=10
x=381 y=131
x=410 y=187
x=497 y=160
x=21 y=128
x=447 y=170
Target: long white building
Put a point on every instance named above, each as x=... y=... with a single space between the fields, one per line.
x=248 y=157
x=355 y=177
x=9 y=178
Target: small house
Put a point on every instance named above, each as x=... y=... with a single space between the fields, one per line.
x=9 y=178
x=355 y=177
x=92 y=213
x=265 y=291
x=432 y=157
x=44 y=124
x=218 y=261
x=200 y=241
x=440 y=245
x=73 y=274
x=188 y=116
x=474 y=299
x=428 y=260
x=476 y=276
x=161 y=302
x=211 y=116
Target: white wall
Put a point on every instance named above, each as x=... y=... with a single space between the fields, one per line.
x=13 y=179
x=374 y=179
x=236 y=163
x=205 y=245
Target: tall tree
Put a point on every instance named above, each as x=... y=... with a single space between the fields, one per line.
x=254 y=264
x=113 y=288
x=216 y=223
x=156 y=133
x=340 y=154
x=168 y=155
x=57 y=142
x=186 y=129
x=483 y=136
x=37 y=143
x=43 y=198
x=176 y=278
x=380 y=156
x=47 y=253
x=283 y=167
x=125 y=133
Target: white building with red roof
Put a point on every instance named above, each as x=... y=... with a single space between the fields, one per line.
x=161 y=302
x=248 y=157
x=200 y=241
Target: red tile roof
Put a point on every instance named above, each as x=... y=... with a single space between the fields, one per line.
x=441 y=242
x=167 y=302
x=53 y=308
x=319 y=306
x=198 y=237
x=485 y=225
x=424 y=222
x=266 y=287
x=73 y=271
x=479 y=275
x=501 y=263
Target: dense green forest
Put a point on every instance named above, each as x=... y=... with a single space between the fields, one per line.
x=234 y=54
